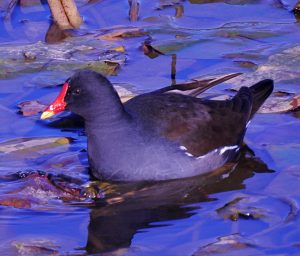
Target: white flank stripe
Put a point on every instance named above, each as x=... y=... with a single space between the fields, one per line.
x=189 y=154
x=223 y=150
x=183 y=148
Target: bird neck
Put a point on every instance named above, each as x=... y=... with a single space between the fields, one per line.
x=110 y=115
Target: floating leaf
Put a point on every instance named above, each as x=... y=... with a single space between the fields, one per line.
x=36 y=247
x=246 y=64
x=16 y=201
x=118 y=34
x=28 y=108
x=32 y=144
x=118 y=49
x=150 y=51
x=280 y=103
x=57 y=60
x=224 y=245
x=107 y=67
x=281 y=66
x=124 y=94
x=170 y=46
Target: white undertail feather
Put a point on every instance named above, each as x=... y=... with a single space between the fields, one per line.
x=220 y=150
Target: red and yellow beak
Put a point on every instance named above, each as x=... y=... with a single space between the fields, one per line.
x=58 y=104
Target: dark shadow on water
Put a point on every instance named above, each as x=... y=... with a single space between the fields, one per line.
x=114 y=223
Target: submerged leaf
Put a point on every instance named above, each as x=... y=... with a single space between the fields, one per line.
x=37 y=189
x=224 y=245
x=239 y=209
x=37 y=247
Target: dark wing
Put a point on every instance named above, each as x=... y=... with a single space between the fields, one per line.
x=197 y=124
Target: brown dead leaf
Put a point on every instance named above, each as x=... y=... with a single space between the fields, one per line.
x=118 y=34
x=134 y=7
x=150 y=51
x=296 y=101
x=29 y=108
x=16 y=201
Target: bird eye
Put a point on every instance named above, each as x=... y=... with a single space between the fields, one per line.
x=76 y=91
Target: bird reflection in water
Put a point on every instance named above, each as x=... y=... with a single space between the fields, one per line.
x=114 y=223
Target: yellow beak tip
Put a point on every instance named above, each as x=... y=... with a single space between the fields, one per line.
x=46 y=114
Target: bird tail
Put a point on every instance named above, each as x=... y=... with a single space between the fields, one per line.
x=260 y=91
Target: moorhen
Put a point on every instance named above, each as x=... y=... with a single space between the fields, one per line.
x=157 y=136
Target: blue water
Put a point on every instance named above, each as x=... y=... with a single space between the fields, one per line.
x=171 y=218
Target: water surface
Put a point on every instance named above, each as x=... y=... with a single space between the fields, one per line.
x=250 y=208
